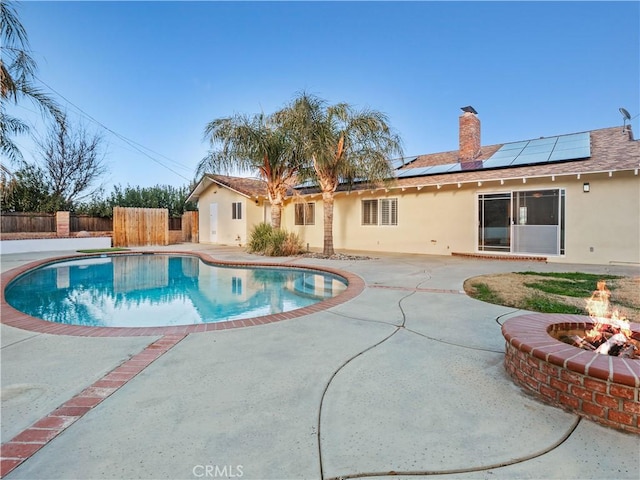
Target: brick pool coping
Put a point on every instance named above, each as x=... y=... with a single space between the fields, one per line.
x=602 y=388
x=14 y=318
x=21 y=447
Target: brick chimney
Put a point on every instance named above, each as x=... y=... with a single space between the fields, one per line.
x=469 y=135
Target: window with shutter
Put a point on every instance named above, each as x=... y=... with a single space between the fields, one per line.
x=369 y=212
x=389 y=211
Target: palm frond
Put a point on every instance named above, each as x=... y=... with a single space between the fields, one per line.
x=12 y=32
x=11 y=126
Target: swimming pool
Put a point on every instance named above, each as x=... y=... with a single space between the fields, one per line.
x=151 y=290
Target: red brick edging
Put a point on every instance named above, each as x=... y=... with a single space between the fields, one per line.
x=15 y=318
x=25 y=444
x=602 y=388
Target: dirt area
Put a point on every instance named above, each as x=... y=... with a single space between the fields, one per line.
x=512 y=292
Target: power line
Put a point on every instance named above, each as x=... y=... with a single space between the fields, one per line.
x=132 y=143
x=34 y=125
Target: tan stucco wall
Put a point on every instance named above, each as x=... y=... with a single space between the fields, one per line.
x=442 y=221
x=229 y=231
x=607 y=219
x=602 y=226
x=428 y=222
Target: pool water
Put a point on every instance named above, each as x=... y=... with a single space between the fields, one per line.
x=163 y=290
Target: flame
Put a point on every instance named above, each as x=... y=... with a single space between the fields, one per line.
x=603 y=318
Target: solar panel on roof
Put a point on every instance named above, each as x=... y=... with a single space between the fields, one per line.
x=435 y=169
x=410 y=172
x=514 y=145
x=538 y=148
x=570 y=154
x=570 y=145
x=532 y=152
x=583 y=137
x=543 y=141
x=541 y=150
x=399 y=162
x=530 y=158
x=506 y=153
x=497 y=162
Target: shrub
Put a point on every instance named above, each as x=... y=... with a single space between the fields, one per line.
x=292 y=244
x=259 y=238
x=273 y=242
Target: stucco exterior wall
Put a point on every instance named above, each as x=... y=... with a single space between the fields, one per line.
x=602 y=226
x=229 y=231
x=428 y=222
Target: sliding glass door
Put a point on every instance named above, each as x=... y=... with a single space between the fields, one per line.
x=494 y=233
x=523 y=222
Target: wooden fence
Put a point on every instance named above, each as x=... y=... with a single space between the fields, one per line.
x=190 y=227
x=14 y=222
x=20 y=222
x=16 y=225
x=87 y=223
x=133 y=227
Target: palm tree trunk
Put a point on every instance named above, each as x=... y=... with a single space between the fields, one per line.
x=327 y=200
x=276 y=214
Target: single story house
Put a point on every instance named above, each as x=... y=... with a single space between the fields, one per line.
x=571 y=198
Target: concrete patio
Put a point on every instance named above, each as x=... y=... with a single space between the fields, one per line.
x=404 y=381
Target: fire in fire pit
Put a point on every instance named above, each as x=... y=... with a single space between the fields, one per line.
x=611 y=333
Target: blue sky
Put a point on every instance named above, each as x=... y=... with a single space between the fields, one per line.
x=157 y=72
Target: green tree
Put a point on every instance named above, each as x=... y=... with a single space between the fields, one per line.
x=159 y=196
x=17 y=75
x=344 y=145
x=96 y=206
x=254 y=143
x=27 y=191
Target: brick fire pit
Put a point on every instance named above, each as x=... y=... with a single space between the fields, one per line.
x=600 y=387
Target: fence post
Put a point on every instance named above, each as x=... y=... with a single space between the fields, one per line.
x=62 y=224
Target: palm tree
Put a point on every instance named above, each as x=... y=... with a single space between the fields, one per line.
x=344 y=145
x=17 y=73
x=250 y=143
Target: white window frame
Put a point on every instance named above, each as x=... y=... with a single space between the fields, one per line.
x=236 y=211
x=369 y=212
x=388 y=211
x=383 y=212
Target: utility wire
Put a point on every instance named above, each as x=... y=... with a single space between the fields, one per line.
x=133 y=144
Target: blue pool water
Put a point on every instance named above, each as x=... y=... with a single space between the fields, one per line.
x=162 y=290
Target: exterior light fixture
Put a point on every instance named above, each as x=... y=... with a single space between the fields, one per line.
x=586 y=188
